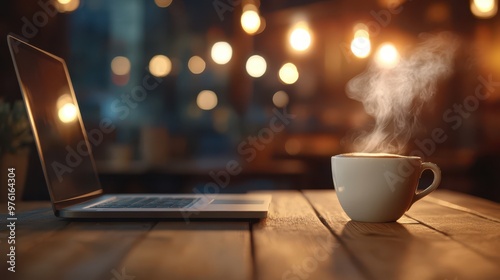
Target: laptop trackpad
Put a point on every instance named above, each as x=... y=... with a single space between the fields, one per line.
x=237 y=201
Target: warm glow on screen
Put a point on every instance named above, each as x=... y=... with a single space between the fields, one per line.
x=66 y=110
x=67 y=113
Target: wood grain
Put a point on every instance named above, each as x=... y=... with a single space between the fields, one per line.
x=406 y=249
x=198 y=250
x=82 y=250
x=475 y=205
x=476 y=233
x=306 y=236
x=292 y=243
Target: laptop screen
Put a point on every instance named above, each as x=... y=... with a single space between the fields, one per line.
x=56 y=122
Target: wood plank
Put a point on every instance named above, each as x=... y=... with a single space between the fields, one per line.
x=198 y=250
x=477 y=233
x=81 y=250
x=292 y=243
x=405 y=249
x=459 y=201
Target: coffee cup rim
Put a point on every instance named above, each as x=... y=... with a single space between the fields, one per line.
x=374 y=155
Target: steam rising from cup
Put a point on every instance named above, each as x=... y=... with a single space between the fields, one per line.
x=395 y=96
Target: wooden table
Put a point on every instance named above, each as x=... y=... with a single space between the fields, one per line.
x=306 y=236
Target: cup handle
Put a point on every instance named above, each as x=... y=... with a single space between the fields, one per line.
x=435 y=183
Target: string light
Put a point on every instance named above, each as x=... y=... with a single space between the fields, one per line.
x=160 y=65
x=250 y=19
x=206 y=100
x=300 y=37
x=256 y=66
x=196 y=65
x=222 y=52
x=288 y=73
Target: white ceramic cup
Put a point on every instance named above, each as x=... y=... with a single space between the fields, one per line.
x=376 y=187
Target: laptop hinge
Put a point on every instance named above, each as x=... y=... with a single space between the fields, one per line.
x=75 y=200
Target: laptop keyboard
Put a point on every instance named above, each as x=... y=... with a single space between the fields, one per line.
x=147 y=202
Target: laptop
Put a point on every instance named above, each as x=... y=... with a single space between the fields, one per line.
x=69 y=167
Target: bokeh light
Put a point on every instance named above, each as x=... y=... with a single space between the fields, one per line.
x=390 y=4
x=484 y=8
x=288 y=73
x=160 y=65
x=66 y=6
x=163 y=3
x=361 y=33
x=300 y=37
x=250 y=19
x=221 y=52
x=387 y=56
x=280 y=99
x=67 y=113
x=120 y=65
x=361 y=45
x=66 y=110
x=256 y=66
x=196 y=65
x=206 y=100
x=438 y=12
